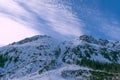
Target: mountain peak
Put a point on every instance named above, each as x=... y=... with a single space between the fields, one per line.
x=91 y=39
x=31 y=39
x=86 y=38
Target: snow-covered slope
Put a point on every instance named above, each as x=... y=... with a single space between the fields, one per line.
x=93 y=49
x=27 y=56
x=45 y=58
x=58 y=74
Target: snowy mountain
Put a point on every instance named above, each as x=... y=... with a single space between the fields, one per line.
x=45 y=58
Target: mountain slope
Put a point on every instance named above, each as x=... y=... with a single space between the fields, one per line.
x=27 y=56
x=43 y=57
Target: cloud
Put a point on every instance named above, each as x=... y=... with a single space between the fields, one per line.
x=98 y=23
x=66 y=19
x=10 y=7
x=45 y=16
x=11 y=31
x=112 y=30
x=57 y=19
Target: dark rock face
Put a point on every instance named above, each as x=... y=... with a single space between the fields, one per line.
x=90 y=39
x=86 y=38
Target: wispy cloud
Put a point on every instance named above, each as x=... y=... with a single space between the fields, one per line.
x=11 y=31
x=100 y=24
x=112 y=30
x=45 y=17
x=56 y=19
x=66 y=19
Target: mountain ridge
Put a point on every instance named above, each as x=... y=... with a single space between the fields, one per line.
x=43 y=54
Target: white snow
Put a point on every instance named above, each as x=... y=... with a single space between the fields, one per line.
x=34 y=54
x=53 y=74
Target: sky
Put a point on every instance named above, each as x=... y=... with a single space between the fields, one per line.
x=61 y=19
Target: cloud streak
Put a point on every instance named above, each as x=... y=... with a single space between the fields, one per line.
x=60 y=18
x=111 y=30
x=45 y=17
x=12 y=31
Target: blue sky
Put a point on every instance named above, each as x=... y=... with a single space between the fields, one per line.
x=62 y=19
x=112 y=6
x=101 y=18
